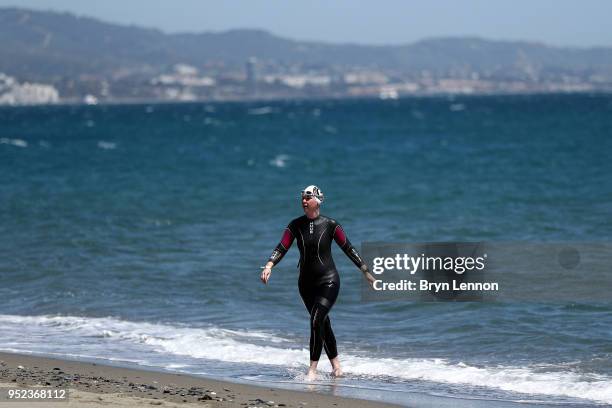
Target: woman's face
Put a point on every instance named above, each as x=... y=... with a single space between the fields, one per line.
x=308 y=202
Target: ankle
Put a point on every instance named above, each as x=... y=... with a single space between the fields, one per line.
x=335 y=362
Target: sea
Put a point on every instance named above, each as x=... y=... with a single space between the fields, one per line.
x=133 y=235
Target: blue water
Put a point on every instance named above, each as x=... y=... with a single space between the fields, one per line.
x=134 y=235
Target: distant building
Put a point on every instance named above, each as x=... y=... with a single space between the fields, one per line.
x=14 y=93
x=6 y=82
x=365 y=78
x=185 y=70
x=90 y=100
x=251 y=76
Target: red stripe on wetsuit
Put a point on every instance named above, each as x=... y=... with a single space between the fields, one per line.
x=287 y=238
x=339 y=236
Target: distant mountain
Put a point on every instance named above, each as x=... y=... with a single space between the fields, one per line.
x=38 y=45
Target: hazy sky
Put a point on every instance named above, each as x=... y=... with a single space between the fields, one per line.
x=555 y=22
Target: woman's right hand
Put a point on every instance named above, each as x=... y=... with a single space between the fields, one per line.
x=265 y=275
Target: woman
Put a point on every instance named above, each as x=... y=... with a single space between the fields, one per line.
x=319 y=282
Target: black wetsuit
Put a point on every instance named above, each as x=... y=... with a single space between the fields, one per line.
x=319 y=281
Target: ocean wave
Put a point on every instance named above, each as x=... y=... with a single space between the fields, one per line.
x=279 y=161
x=14 y=142
x=258 y=347
x=106 y=145
x=264 y=110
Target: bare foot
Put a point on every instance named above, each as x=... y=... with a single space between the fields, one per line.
x=336 y=370
x=312 y=371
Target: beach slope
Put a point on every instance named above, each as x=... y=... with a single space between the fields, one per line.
x=95 y=385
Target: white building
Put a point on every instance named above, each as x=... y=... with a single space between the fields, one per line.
x=14 y=93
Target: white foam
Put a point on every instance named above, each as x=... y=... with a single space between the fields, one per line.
x=330 y=129
x=518 y=379
x=106 y=145
x=261 y=111
x=14 y=142
x=216 y=123
x=175 y=366
x=279 y=161
x=258 y=347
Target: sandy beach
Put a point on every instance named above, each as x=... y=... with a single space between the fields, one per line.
x=95 y=385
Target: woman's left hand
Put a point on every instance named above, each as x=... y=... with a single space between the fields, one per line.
x=368 y=276
x=265 y=275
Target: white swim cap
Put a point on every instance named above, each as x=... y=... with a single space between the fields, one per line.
x=313 y=191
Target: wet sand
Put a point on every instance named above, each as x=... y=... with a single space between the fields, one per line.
x=95 y=385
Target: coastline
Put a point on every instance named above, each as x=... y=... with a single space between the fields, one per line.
x=318 y=98
x=96 y=385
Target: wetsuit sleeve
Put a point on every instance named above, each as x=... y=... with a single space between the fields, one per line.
x=282 y=247
x=347 y=247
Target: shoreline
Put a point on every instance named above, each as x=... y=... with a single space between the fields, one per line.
x=97 y=385
x=440 y=95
